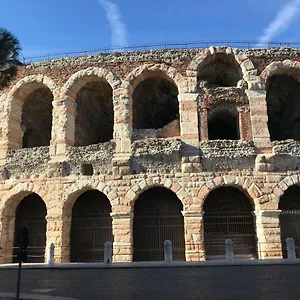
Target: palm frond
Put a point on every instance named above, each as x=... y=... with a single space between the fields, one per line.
x=10 y=50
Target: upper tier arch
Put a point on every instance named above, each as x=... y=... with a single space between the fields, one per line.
x=287 y=67
x=134 y=78
x=81 y=78
x=233 y=56
x=24 y=87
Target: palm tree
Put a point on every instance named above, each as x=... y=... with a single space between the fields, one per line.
x=9 y=57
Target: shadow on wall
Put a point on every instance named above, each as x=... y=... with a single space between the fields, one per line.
x=156 y=107
x=37 y=131
x=283 y=103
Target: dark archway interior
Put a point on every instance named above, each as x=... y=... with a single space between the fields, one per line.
x=283 y=103
x=219 y=73
x=36 y=121
x=94 y=114
x=289 y=218
x=31 y=212
x=155 y=104
x=290 y=200
x=227 y=199
x=228 y=214
x=91 y=227
x=157 y=218
x=223 y=126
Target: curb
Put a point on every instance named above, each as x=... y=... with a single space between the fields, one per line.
x=219 y=263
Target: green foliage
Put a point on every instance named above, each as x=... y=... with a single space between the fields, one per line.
x=9 y=57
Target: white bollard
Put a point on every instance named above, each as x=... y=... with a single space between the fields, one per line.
x=108 y=253
x=291 y=251
x=168 y=251
x=50 y=254
x=229 y=249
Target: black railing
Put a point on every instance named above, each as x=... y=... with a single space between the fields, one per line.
x=197 y=250
x=88 y=236
x=150 y=233
x=34 y=255
x=160 y=46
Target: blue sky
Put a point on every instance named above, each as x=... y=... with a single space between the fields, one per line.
x=45 y=26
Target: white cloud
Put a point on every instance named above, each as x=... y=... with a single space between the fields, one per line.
x=118 y=28
x=282 y=21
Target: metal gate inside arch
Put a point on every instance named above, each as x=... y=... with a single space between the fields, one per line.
x=32 y=212
x=289 y=218
x=91 y=227
x=157 y=217
x=228 y=213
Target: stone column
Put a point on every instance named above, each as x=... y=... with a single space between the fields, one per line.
x=7 y=231
x=259 y=120
x=189 y=117
x=194 y=235
x=10 y=127
x=58 y=233
x=63 y=128
x=245 y=124
x=189 y=128
x=122 y=131
x=123 y=237
x=4 y=143
x=203 y=124
x=268 y=234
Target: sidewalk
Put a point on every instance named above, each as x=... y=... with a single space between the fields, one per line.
x=212 y=263
x=12 y=296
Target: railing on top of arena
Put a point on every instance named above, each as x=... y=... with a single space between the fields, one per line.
x=160 y=46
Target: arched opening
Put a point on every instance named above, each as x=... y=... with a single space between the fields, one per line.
x=283 y=103
x=223 y=125
x=94 y=119
x=32 y=212
x=228 y=213
x=220 y=70
x=157 y=218
x=91 y=227
x=155 y=105
x=289 y=218
x=36 y=120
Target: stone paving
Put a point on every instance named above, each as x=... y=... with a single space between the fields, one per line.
x=209 y=283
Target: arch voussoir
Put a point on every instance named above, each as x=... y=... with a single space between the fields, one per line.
x=82 y=77
x=153 y=70
x=28 y=84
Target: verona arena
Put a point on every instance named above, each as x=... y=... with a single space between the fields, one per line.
x=189 y=145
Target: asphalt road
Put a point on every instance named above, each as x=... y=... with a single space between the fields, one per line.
x=209 y=283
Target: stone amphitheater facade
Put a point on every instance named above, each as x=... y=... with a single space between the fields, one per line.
x=74 y=125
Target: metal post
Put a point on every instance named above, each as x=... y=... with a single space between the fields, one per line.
x=168 y=251
x=23 y=242
x=229 y=249
x=19 y=277
x=50 y=255
x=108 y=253
x=291 y=251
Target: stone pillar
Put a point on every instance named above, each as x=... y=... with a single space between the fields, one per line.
x=194 y=235
x=58 y=233
x=268 y=234
x=189 y=117
x=7 y=231
x=189 y=132
x=123 y=237
x=3 y=137
x=63 y=128
x=245 y=124
x=122 y=131
x=259 y=120
x=203 y=124
x=10 y=128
